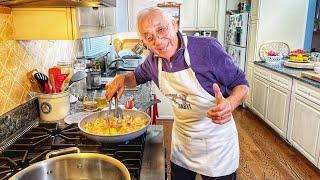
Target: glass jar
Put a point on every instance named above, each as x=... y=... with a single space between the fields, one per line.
x=100 y=98
x=66 y=68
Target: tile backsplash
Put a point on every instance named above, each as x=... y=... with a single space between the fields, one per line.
x=19 y=57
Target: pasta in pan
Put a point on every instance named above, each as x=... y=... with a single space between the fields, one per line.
x=110 y=126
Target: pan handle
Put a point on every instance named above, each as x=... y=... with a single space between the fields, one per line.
x=62 y=151
x=146 y=105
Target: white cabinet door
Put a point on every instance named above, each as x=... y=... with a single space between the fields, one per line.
x=249 y=77
x=200 y=15
x=305 y=127
x=189 y=14
x=208 y=11
x=108 y=19
x=164 y=107
x=259 y=96
x=252 y=52
x=134 y=6
x=277 y=110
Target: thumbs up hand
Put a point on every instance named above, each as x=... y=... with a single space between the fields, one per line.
x=222 y=112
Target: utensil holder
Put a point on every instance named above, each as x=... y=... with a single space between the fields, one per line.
x=53 y=107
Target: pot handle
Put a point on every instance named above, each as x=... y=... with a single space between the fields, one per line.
x=62 y=151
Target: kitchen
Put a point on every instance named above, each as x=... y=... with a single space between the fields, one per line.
x=274 y=141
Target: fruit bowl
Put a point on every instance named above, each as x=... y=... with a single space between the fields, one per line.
x=273 y=59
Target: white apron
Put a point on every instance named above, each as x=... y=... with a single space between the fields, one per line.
x=197 y=144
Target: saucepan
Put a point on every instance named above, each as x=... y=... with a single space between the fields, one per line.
x=116 y=138
x=75 y=166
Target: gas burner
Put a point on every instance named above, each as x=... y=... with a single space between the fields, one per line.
x=36 y=143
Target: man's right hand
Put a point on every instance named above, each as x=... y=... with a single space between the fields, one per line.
x=116 y=86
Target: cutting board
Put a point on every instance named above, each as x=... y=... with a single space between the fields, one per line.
x=300 y=65
x=311 y=75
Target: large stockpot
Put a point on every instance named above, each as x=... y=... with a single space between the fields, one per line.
x=119 y=137
x=75 y=166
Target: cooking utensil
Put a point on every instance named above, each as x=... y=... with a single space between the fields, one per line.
x=77 y=77
x=75 y=166
x=35 y=85
x=117 y=137
x=58 y=80
x=43 y=81
x=51 y=80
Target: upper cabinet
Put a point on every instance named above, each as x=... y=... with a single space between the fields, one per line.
x=134 y=6
x=200 y=15
x=63 y=23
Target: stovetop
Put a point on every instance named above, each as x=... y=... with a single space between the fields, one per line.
x=36 y=143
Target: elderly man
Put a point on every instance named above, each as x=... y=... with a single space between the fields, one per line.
x=204 y=86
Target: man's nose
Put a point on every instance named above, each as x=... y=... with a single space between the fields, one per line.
x=157 y=40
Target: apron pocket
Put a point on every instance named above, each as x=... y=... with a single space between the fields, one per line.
x=223 y=156
x=195 y=154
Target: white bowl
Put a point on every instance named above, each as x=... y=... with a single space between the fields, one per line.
x=317 y=69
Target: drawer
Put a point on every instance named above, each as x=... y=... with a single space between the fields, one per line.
x=264 y=73
x=281 y=80
x=309 y=92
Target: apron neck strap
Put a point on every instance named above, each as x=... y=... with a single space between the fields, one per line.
x=186 y=52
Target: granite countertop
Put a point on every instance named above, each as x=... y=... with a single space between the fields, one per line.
x=292 y=72
x=142 y=95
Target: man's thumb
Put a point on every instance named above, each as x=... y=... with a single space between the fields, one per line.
x=217 y=93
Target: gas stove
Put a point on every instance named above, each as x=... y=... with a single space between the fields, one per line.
x=36 y=143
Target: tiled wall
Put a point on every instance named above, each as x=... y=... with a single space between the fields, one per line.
x=18 y=57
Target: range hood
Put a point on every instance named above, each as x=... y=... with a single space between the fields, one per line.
x=57 y=3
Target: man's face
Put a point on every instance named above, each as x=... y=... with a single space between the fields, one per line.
x=159 y=34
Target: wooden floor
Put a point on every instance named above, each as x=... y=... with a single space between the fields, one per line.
x=263 y=154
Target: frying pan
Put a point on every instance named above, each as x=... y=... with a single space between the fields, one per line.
x=118 y=137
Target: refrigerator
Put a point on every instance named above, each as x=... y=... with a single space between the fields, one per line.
x=236 y=38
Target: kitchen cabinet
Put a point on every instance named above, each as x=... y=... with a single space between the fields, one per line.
x=134 y=6
x=278 y=102
x=259 y=95
x=277 y=109
x=164 y=108
x=271 y=93
x=304 y=121
x=62 y=23
x=200 y=15
x=305 y=127
x=291 y=108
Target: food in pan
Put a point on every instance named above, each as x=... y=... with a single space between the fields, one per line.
x=111 y=126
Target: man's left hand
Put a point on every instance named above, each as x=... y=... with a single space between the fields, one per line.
x=222 y=112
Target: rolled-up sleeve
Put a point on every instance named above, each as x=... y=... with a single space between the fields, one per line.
x=225 y=70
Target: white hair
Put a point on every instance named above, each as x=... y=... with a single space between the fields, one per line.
x=151 y=10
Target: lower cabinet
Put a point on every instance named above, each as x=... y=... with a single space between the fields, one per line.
x=277 y=110
x=291 y=108
x=305 y=127
x=259 y=95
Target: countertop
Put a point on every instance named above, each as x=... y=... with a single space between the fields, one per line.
x=142 y=94
x=153 y=163
x=292 y=72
